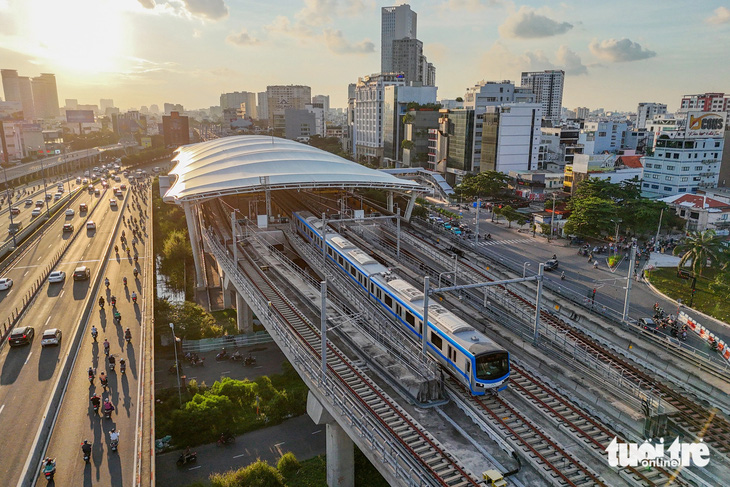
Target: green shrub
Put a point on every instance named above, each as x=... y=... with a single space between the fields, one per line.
x=258 y=474
x=288 y=465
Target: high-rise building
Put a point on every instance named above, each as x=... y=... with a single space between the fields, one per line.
x=395 y=105
x=323 y=100
x=493 y=93
x=705 y=102
x=71 y=103
x=396 y=23
x=582 y=112
x=262 y=108
x=647 y=111
x=281 y=97
x=173 y=107
x=299 y=123
x=407 y=58
x=548 y=89
x=236 y=99
x=367 y=134
x=45 y=96
x=18 y=89
x=104 y=104
x=175 y=129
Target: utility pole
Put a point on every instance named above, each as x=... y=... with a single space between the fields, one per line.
x=656 y=240
x=397 y=235
x=476 y=237
x=628 y=282
x=234 y=233
x=324 y=240
x=424 y=327
x=323 y=329
x=538 y=302
x=10 y=209
x=552 y=217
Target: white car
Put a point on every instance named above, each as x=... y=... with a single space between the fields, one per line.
x=90 y=225
x=113 y=203
x=57 y=276
x=57 y=196
x=70 y=212
x=51 y=337
x=5 y=283
x=36 y=212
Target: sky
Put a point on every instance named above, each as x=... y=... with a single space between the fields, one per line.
x=143 y=52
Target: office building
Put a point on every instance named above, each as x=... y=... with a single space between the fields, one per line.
x=18 y=89
x=173 y=107
x=320 y=124
x=262 y=107
x=240 y=100
x=281 y=97
x=548 y=89
x=396 y=102
x=45 y=96
x=105 y=104
x=175 y=129
x=299 y=124
x=323 y=100
x=10 y=84
x=603 y=137
x=646 y=112
x=582 y=112
x=493 y=93
x=507 y=137
x=396 y=23
x=367 y=137
x=705 y=102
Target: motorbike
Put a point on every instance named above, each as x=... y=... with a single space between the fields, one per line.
x=236 y=357
x=104 y=382
x=185 y=459
x=226 y=439
x=134 y=299
x=117 y=317
x=123 y=367
x=221 y=356
x=86 y=452
x=250 y=360
x=94 y=334
x=197 y=362
x=113 y=444
x=49 y=469
x=108 y=413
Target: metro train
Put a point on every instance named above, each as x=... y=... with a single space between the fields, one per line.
x=471 y=357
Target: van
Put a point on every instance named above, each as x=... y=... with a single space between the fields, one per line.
x=81 y=273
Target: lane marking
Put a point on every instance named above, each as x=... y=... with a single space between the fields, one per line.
x=279 y=444
x=61 y=295
x=228 y=371
x=9 y=292
x=315 y=432
x=193 y=468
x=49 y=319
x=237 y=456
x=1 y=408
x=26 y=360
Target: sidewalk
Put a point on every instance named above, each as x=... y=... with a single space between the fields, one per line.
x=297 y=435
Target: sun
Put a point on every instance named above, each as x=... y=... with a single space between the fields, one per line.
x=85 y=36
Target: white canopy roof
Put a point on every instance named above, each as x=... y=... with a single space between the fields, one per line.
x=242 y=164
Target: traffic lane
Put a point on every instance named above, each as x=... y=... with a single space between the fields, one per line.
x=31 y=265
x=76 y=420
x=27 y=379
x=25 y=216
x=298 y=435
x=32 y=192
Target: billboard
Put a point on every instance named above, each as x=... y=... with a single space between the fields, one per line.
x=146 y=142
x=705 y=124
x=80 y=116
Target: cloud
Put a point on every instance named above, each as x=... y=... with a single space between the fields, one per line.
x=619 y=51
x=470 y=5
x=526 y=23
x=570 y=61
x=283 y=25
x=337 y=43
x=208 y=9
x=224 y=72
x=721 y=15
x=242 y=38
x=147 y=3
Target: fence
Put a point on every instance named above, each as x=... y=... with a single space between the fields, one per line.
x=208 y=344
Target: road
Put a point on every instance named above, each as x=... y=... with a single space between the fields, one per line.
x=516 y=249
x=76 y=420
x=34 y=191
x=28 y=374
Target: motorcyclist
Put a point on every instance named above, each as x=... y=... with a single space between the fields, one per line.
x=122 y=234
x=116 y=249
x=106 y=346
x=113 y=300
x=124 y=280
x=128 y=334
x=134 y=296
x=114 y=435
x=136 y=258
x=95 y=400
x=112 y=361
x=106 y=282
x=94 y=332
x=86 y=448
x=103 y=378
x=237 y=355
x=223 y=353
x=555 y=257
x=595 y=264
x=122 y=365
x=135 y=272
x=562 y=276
x=108 y=407
x=91 y=372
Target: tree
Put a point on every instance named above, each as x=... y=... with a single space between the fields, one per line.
x=510 y=214
x=699 y=248
x=484 y=184
x=176 y=251
x=288 y=465
x=591 y=216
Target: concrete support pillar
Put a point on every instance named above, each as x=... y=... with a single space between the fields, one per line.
x=190 y=217
x=244 y=315
x=411 y=204
x=390 y=201
x=340 y=449
x=226 y=289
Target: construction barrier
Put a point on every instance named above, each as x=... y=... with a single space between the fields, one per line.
x=704 y=334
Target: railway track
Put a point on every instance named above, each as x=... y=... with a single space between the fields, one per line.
x=442 y=468
x=695 y=419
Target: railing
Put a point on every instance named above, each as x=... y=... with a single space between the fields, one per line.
x=209 y=344
x=328 y=389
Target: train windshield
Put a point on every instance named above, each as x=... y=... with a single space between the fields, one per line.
x=492 y=366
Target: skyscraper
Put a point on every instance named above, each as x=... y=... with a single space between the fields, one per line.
x=262 y=108
x=548 y=89
x=17 y=88
x=104 y=104
x=281 y=97
x=10 y=84
x=396 y=23
x=45 y=95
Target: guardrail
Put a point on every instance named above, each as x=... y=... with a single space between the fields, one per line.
x=209 y=344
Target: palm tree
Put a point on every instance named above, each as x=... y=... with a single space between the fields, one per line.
x=700 y=247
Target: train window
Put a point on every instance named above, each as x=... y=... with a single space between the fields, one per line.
x=398 y=309
x=388 y=301
x=410 y=319
x=436 y=340
x=448 y=352
x=372 y=288
x=339 y=257
x=380 y=293
x=468 y=365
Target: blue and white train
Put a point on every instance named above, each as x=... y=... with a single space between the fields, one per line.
x=475 y=360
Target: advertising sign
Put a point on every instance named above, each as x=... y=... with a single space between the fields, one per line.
x=705 y=124
x=146 y=142
x=80 y=116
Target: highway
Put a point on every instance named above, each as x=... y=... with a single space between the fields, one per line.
x=76 y=420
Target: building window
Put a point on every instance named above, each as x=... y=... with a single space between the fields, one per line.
x=668 y=178
x=684 y=178
x=698 y=168
x=685 y=168
x=670 y=168
x=646 y=185
x=667 y=188
x=682 y=190
x=655 y=176
x=676 y=155
x=654 y=186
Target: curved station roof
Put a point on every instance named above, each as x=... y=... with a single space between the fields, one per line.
x=251 y=163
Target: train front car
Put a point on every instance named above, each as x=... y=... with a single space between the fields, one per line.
x=491 y=370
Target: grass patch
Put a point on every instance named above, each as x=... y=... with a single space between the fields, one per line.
x=705 y=300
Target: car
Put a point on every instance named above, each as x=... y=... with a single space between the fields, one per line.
x=57 y=276
x=649 y=324
x=456 y=230
x=57 y=196
x=49 y=196
x=447 y=226
x=67 y=227
x=5 y=283
x=123 y=187
x=84 y=181
x=97 y=191
x=70 y=212
x=82 y=273
x=36 y=212
x=118 y=193
x=78 y=180
x=90 y=225
x=21 y=336
x=117 y=179
x=59 y=188
x=28 y=202
x=15 y=227
x=14 y=211
x=51 y=337
x=551 y=265
x=113 y=203
x=156 y=169
x=83 y=208
x=39 y=203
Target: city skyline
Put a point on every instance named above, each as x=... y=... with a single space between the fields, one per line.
x=143 y=52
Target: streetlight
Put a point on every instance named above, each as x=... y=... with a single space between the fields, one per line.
x=177 y=364
x=10 y=203
x=524 y=269
x=45 y=189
